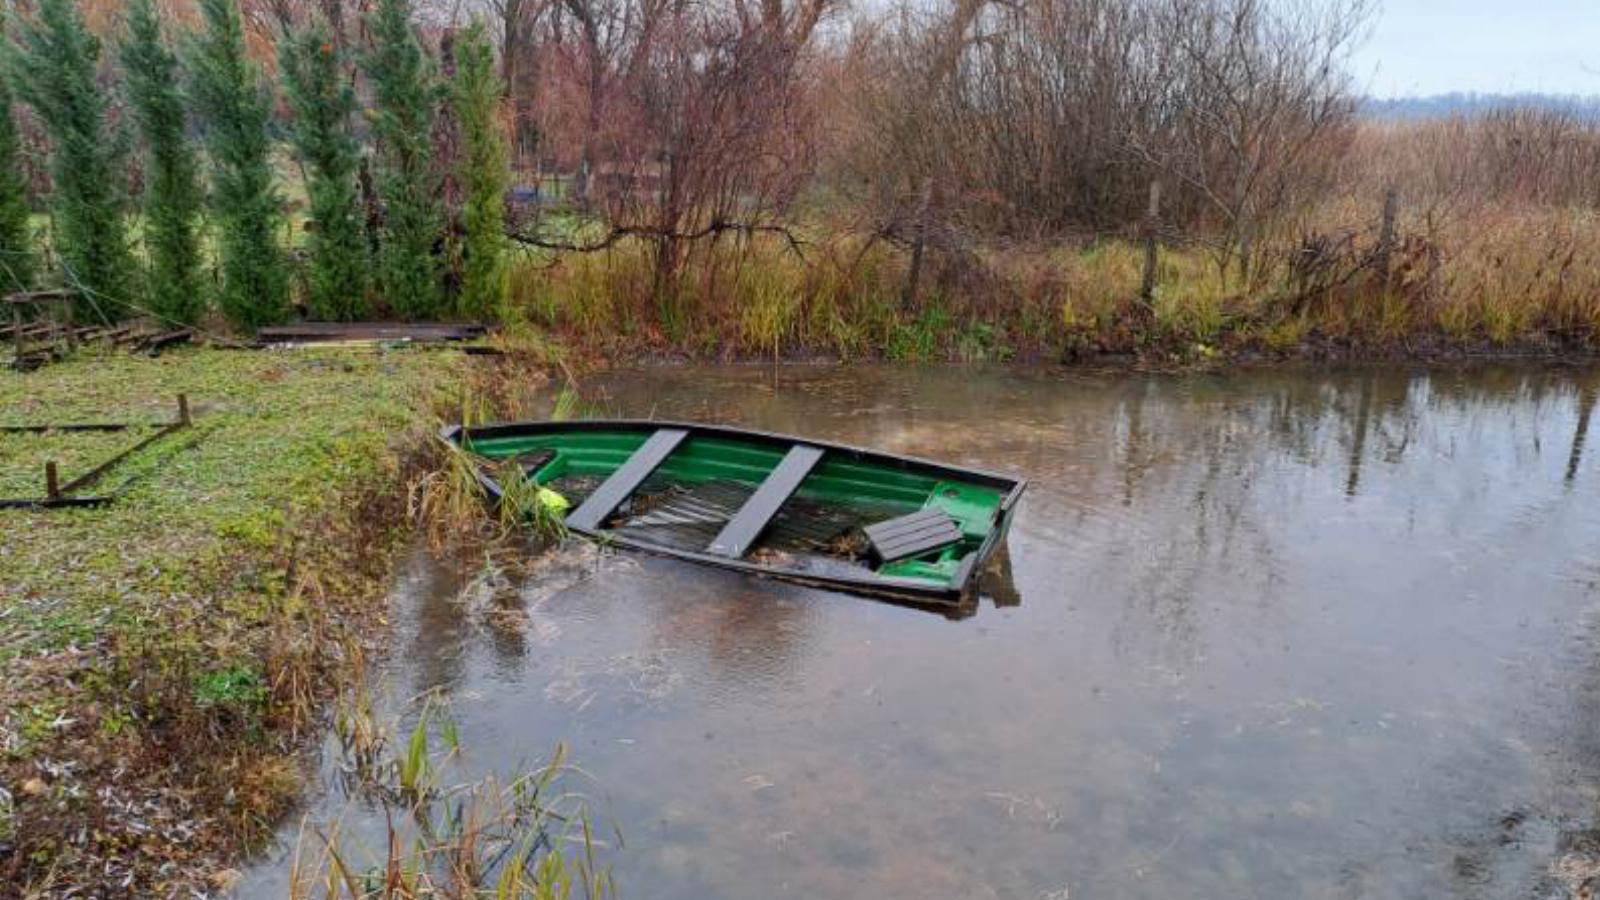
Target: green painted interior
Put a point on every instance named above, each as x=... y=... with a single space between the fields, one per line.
x=837 y=479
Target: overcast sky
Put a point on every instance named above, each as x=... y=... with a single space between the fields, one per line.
x=1484 y=46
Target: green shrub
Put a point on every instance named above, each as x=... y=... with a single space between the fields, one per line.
x=229 y=92
x=172 y=192
x=17 y=260
x=323 y=101
x=484 y=174
x=405 y=95
x=52 y=65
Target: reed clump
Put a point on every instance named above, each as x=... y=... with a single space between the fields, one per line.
x=451 y=498
x=423 y=838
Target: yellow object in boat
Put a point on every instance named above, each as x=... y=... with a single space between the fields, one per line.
x=553 y=502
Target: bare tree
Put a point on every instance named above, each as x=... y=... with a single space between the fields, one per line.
x=719 y=99
x=1053 y=116
x=698 y=123
x=605 y=42
x=901 y=158
x=519 y=60
x=1258 y=88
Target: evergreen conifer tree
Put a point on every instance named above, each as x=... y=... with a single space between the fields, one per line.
x=17 y=260
x=51 y=65
x=405 y=97
x=323 y=101
x=484 y=174
x=236 y=110
x=172 y=192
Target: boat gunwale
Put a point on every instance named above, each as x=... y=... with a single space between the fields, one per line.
x=1014 y=484
x=954 y=594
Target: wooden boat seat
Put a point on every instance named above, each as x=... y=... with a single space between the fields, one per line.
x=626 y=479
x=747 y=524
x=915 y=534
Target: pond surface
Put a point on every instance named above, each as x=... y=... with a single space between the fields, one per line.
x=1286 y=634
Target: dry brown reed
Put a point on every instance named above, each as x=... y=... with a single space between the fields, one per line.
x=1495 y=243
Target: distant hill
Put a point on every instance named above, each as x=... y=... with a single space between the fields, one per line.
x=1441 y=105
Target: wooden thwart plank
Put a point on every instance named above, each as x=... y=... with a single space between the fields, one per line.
x=626 y=479
x=752 y=518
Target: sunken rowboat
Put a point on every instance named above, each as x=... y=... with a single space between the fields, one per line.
x=806 y=511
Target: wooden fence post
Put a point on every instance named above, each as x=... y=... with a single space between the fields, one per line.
x=183 y=410
x=52 y=481
x=71 y=322
x=16 y=334
x=913 y=286
x=1150 y=227
x=1385 y=248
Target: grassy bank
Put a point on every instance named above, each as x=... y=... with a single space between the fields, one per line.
x=1500 y=280
x=161 y=658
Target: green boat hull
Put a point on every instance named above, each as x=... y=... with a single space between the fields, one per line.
x=867 y=485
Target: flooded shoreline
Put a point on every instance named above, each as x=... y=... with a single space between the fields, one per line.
x=1292 y=633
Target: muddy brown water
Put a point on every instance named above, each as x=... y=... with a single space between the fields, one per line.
x=1285 y=634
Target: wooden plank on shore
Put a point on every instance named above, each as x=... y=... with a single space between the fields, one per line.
x=309 y=332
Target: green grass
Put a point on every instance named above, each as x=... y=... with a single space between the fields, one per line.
x=185 y=626
x=273 y=434
x=23 y=457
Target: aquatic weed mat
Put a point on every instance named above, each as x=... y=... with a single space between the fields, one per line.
x=149 y=648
